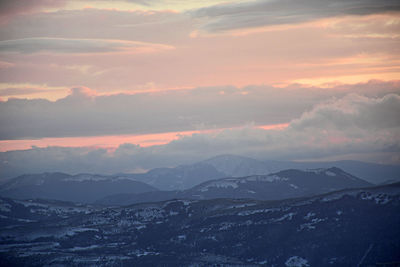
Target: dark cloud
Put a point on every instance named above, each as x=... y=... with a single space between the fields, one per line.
x=265 y=13
x=9 y=8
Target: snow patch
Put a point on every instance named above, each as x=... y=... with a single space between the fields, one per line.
x=294 y=186
x=220 y=184
x=309 y=215
x=288 y=216
x=5 y=207
x=265 y=178
x=296 y=261
x=83 y=248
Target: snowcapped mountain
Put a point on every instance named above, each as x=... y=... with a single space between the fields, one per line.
x=239 y=166
x=280 y=185
x=77 y=188
x=355 y=227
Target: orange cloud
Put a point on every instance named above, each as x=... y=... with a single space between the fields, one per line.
x=113 y=141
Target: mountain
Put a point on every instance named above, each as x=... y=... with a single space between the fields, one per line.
x=77 y=188
x=357 y=227
x=238 y=166
x=280 y=185
x=179 y=178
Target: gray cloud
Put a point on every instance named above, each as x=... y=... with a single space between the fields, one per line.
x=353 y=111
x=83 y=113
x=154 y=27
x=62 y=45
x=364 y=134
x=265 y=13
x=9 y=8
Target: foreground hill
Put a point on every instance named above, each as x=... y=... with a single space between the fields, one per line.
x=357 y=227
x=77 y=188
x=280 y=185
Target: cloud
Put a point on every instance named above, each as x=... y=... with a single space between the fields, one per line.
x=259 y=13
x=84 y=112
x=21 y=91
x=62 y=45
x=366 y=127
x=92 y=23
x=353 y=111
x=9 y=8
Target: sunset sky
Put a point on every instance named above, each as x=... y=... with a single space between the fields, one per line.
x=124 y=86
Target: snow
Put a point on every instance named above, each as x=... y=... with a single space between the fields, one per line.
x=378 y=198
x=220 y=184
x=296 y=261
x=83 y=248
x=234 y=182
x=149 y=214
x=251 y=212
x=322 y=171
x=309 y=215
x=5 y=207
x=86 y=177
x=294 y=186
x=265 y=178
x=74 y=231
x=316 y=171
x=288 y=216
x=241 y=206
x=311 y=225
x=182 y=237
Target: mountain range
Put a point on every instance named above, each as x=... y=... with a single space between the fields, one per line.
x=124 y=190
x=280 y=185
x=186 y=176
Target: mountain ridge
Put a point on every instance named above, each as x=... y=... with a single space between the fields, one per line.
x=284 y=184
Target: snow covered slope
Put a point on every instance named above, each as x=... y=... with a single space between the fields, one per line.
x=357 y=227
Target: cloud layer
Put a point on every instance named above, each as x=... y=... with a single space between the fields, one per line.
x=62 y=45
x=265 y=13
x=350 y=125
x=85 y=113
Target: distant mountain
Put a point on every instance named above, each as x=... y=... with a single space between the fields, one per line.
x=280 y=185
x=357 y=227
x=238 y=166
x=179 y=178
x=77 y=188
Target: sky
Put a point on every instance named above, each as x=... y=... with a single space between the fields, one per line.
x=126 y=86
